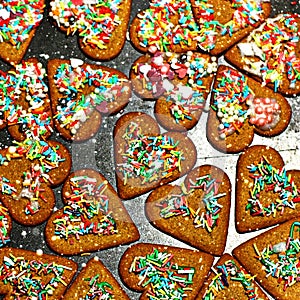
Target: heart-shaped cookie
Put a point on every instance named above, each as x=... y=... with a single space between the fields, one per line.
x=266 y=193
x=271 y=54
x=5 y=226
x=25 y=106
x=146 y=267
x=82 y=93
x=229 y=280
x=95 y=282
x=101 y=25
x=240 y=107
x=145 y=158
x=92 y=219
x=180 y=83
x=28 y=170
x=169 y=25
x=196 y=213
x=18 y=23
x=34 y=275
x=223 y=23
x=273 y=258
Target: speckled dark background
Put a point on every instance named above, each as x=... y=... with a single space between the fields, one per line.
x=97 y=153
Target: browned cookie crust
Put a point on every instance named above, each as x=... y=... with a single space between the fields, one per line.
x=222 y=282
x=273 y=257
x=228 y=93
x=20 y=30
x=218 y=38
x=101 y=28
x=196 y=264
x=260 y=175
x=27 y=192
x=28 y=274
x=177 y=151
x=93 y=218
x=196 y=213
x=81 y=94
x=271 y=54
x=95 y=280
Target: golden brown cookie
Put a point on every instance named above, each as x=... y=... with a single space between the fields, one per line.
x=81 y=94
x=34 y=275
x=223 y=23
x=146 y=267
x=145 y=158
x=17 y=28
x=27 y=172
x=101 y=25
x=273 y=257
x=26 y=108
x=266 y=193
x=180 y=84
x=197 y=212
x=95 y=281
x=241 y=107
x=92 y=219
x=271 y=54
x=229 y=280
x=167 y=25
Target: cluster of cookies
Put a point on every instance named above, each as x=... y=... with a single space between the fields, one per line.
x=181 y=42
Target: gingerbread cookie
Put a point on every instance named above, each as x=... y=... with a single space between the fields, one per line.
x=229 y=280
x=17 y=28
x=145 y=158
x=95 y=282
x=271 y=54
x=82 y=93
x=180 y=83
x=101 y=25
x=197 y=212
x=273 y=257
x=169 y=25
x=223 y=23
x=25 y=105
x=146 y=268
x=266 y=193
x=34 y=275
x=92 y=219
x=28 y=170
x=239 y=108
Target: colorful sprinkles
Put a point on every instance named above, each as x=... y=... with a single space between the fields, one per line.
x=149 y=157
x=71 y=79
x=86 y=201
x=246 y=13
x=274 y=45
x=164 y=278
x=178 y=205
x=230 y=271
x=30 y=278
x=26 y=277
x=49 y=158
x=268 y=178
x=18 y=18
x=158 y=74
x=4 y=236
x=235 y=103
x=157 y=26
x=286 y=268
x=98 y=289
x=29 y=78
x=94 y=21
